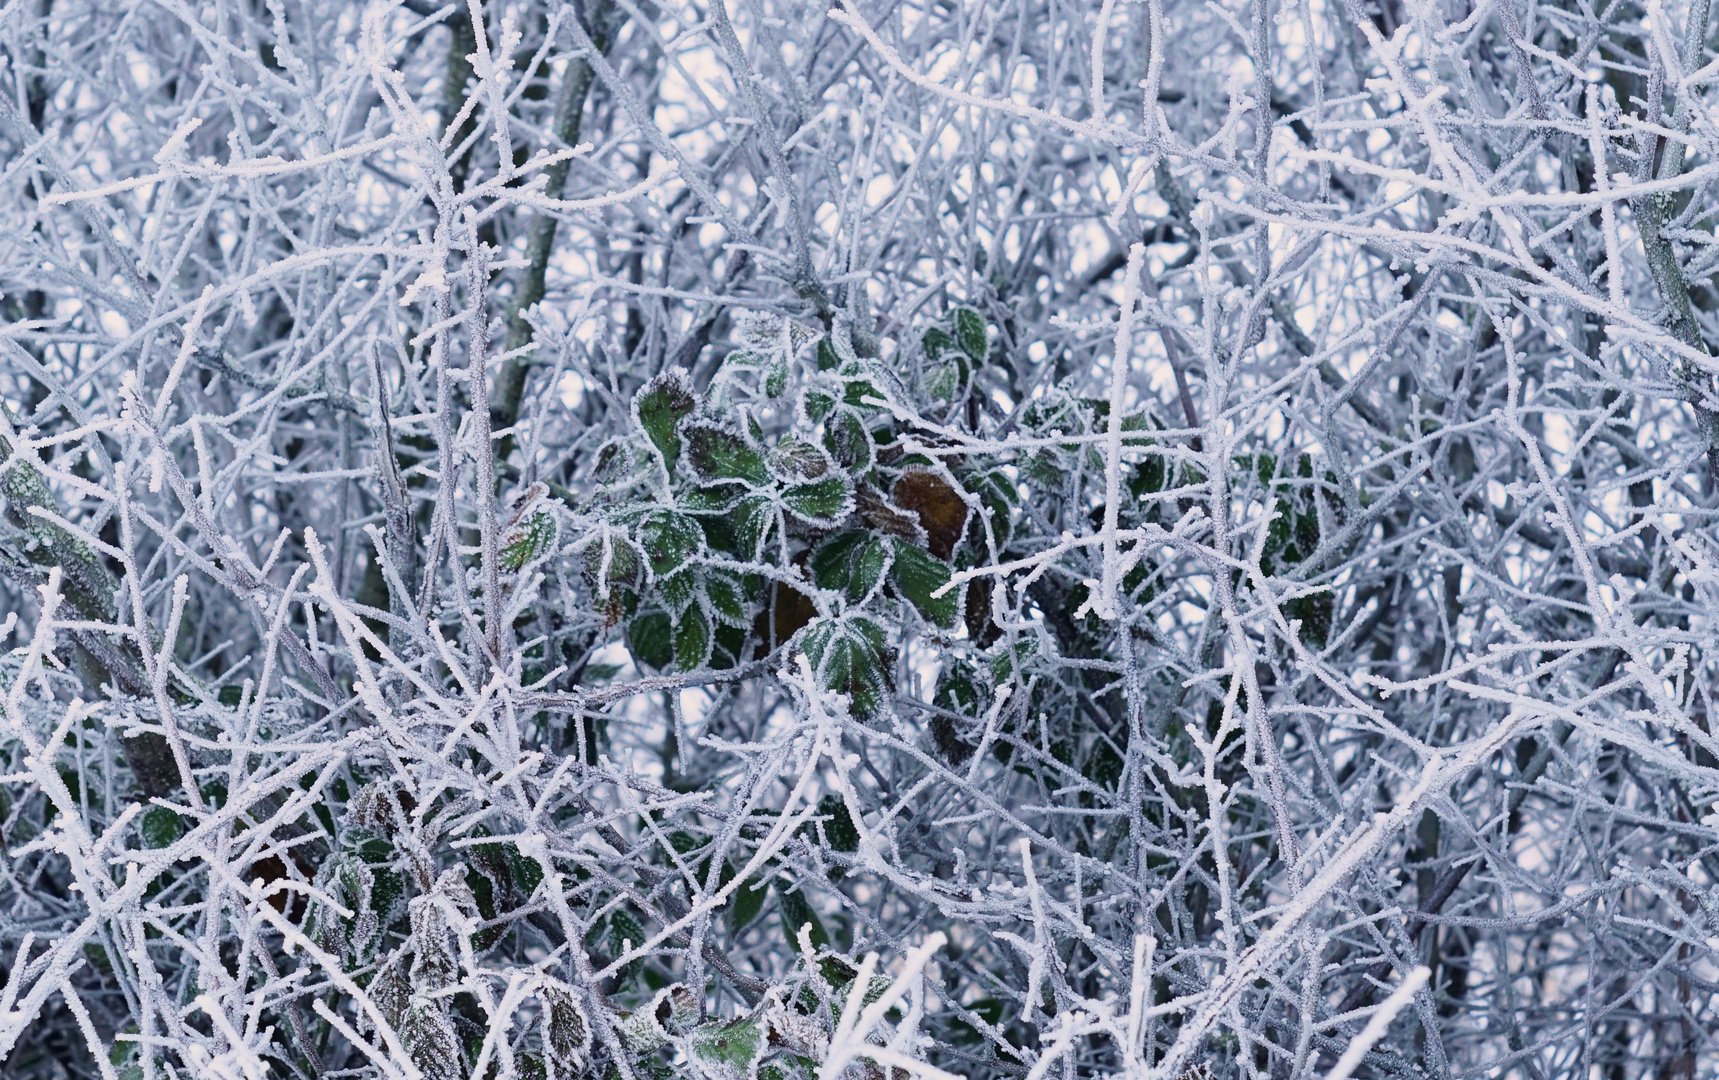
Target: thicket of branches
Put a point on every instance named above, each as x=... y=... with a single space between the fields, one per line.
x=757 y=541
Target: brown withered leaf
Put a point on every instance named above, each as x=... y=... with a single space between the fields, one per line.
x=789 y=609
x=289 y=902
x=876 y=511
x=980 y=627
x=941 y=511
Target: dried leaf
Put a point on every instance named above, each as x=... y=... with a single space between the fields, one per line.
x=940 y=509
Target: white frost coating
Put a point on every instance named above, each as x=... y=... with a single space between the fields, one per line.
x=1375 y=1029
x=1009 y=540
x=174 y=146
x=1121 y=364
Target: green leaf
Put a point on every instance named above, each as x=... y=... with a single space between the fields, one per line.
x=917 y=576
x=160 y=827
x=1315 y=612
x=815 y=405
x=692 y=640
x=821 y=502
x=1003 y=664
x=1148 y=477
x=959 y=688
x=827 y=356
x=623 y=568
x=935 y=341
x=726 y=600
x=659 y=406
x=1103 y=765
x=838 y=825
x=677 y=592
x=745 y=904
x=728 y=1051
x=873 y=562
x=730 y=645
x=668 y=539
x=650 y=638
x=625 y=933
x=853 y=562
x=597 y=674
x=527 y=873
x=777 y=380
x=832 y=560
x=752 y=520
x=713 y=499
x=848 y=442
x=527 y=540
x=848 y=655
x=970 y=333
x=796 y=912
x=943 y=382
x=861 y=394
x=716 y=454
x=997 y=492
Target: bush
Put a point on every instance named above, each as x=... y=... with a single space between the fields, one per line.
x=748 y=543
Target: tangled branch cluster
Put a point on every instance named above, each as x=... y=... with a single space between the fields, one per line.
x=750 y=541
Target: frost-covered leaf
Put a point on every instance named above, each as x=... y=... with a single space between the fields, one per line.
x=848 y=441
x=852 y=562
x=668 y=539
x=726 y=598
x=935 y=342
x=796 y=913
x=753 y=518
x=848 y=655
x=970 y=333
x=718 y=454
x=821 y=502
x=526 y=541
x=676 y=1008
x=838 y=823
x=678 y=591
x=566 y=1031
x=692 y=640
x=430 y=1040
x=434 y=965
x=815 y=404
x=795 y=460
x=917 y=575
x=727 y=1051
x=940 y=508
x=659 y=407
x=650 y=638
x=718 y=498
x=747 y=902
x=943 y=381
x=160 y=827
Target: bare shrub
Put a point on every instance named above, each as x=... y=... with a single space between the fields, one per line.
x=1005 y=538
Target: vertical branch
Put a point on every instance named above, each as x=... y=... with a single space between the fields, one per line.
x=540 y=235
x=1109 y=602
x=477 y=381
x=1652 y=213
